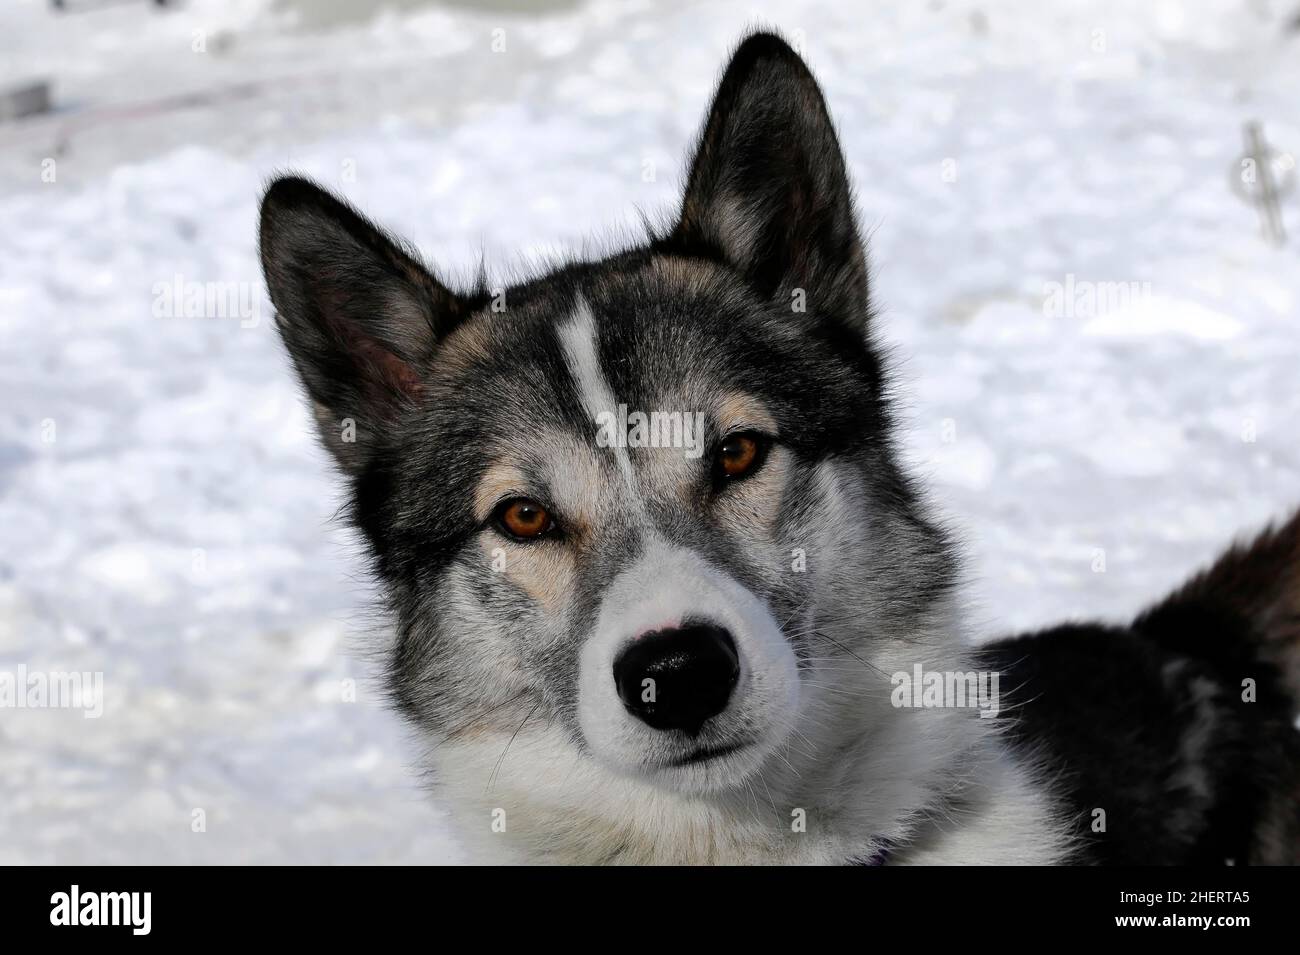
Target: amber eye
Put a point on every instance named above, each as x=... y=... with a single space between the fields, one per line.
x=522 y=518
x=740 y=455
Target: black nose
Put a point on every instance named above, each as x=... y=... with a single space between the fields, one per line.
x=676 y=679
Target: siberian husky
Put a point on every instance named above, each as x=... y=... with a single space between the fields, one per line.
x=662 y=593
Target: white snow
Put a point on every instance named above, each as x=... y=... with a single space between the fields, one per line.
x=166 y=518
x=1157 y=316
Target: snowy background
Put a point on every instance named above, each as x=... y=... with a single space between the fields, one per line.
x=166 y=518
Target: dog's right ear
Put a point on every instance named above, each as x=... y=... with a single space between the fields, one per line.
x=769 y=192
x=359 y=315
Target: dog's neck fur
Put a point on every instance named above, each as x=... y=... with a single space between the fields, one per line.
x=933 y=786
x=555 y=806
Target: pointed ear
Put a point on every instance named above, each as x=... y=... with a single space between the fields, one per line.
x=768 y=191
x=359 y=315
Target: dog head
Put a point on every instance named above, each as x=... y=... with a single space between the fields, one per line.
x=645 y=508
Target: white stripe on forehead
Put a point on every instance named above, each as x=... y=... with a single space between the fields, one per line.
x=578 y=339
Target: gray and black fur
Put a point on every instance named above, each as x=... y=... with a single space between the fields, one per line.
x=1181 y=726
x=430 y=399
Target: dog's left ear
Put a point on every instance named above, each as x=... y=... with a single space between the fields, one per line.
x=359 y=314
x=768 y=190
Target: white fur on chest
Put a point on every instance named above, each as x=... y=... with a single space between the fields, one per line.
x=955 y=797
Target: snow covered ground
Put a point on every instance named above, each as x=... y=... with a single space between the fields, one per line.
x=166 y=519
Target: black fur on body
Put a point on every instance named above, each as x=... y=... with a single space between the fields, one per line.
x=420 y=393
x=1180 y=726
